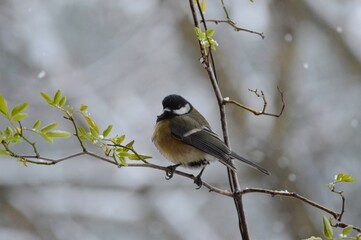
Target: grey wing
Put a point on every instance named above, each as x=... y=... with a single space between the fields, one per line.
x=206 y=141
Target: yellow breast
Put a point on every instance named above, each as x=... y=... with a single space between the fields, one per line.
x=172 y=148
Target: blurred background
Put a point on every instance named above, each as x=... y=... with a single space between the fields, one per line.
x=123 y=57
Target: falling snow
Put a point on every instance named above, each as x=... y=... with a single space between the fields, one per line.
x=292 y=177
x=288 y=37
x=41 y=74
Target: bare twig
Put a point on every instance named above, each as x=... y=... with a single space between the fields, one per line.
x=285 y=193
x=225 y=9
x=232 y=23
x=263 y=111
x=235 y=27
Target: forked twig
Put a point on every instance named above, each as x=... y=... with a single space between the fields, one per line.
x=235 y=27
x=260 y=94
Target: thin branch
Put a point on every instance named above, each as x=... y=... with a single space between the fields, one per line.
x=128 y=148
x=71 y=119
x=232 y=176
x=285 y=193
x=49 y=161
x=32 y=144
x=340 y=193
x=235 y=27
x=263 y=111
x=211 y=188
x=210 y=49
x=225 y=9
x=232 y=23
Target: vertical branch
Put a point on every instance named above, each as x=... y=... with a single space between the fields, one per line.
x=232 y=176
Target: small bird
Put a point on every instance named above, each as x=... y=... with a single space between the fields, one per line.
x=183 y=136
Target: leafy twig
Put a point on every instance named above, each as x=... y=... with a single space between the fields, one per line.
x=76 y=134
x=344 y=225
x=32 y=144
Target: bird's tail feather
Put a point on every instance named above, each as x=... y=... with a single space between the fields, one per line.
x=251 y=164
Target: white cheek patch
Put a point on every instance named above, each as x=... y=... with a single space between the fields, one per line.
x=183 y=110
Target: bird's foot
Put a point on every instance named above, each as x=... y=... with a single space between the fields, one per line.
x=198 y=180
x=170 y=171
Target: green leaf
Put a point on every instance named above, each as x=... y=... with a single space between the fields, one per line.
x=8 y=132
x=339 y=177
x=197 y=31
x=3 y=106
x=209 y=32
x=19 y=117
x=348 y=178
x=107 y=151
x=19 y=108
x=4 y=152
x=47 y=138
x=48 y=127
x=91 y=124
x=57 y=97
x=138 y=157
x=119 y=140
x=203 y=6
x=93 y=133
x=347 y=230
x=16 y=138
x=83 y=134
x=36 y=124
x=83 y=107
x=122 y=160
x=344 y=178
x=47 y=98
x=107 y=130
x=130 y=144
x=58 y=134
x=82 y=131
x=121 y=153
x=327 y=228
x=62 y=101
x=23 y=161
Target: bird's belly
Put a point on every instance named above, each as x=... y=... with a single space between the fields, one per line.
x=174 y=149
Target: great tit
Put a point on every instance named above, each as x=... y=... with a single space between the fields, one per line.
x=183 y=136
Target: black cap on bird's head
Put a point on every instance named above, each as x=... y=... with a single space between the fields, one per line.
x=174 y=102
x=174 y=105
